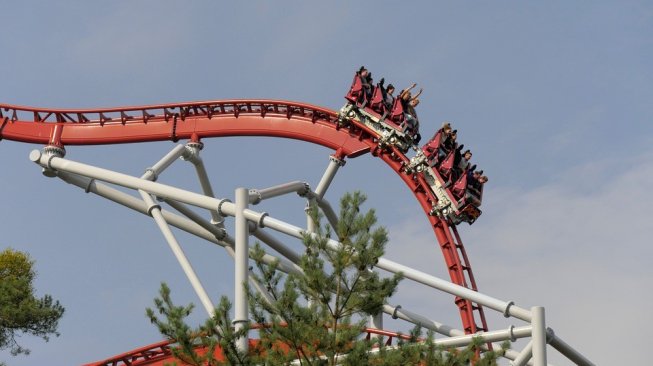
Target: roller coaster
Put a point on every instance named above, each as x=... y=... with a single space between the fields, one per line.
x=358 y=129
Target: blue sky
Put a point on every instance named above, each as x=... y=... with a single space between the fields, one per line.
x=554 y=99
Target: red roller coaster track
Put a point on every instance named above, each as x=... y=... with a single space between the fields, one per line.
x=273 y=118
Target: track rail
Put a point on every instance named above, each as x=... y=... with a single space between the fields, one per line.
x=205 y=119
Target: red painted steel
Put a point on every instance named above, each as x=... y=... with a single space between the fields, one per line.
x=159 y=354
x=205 y=119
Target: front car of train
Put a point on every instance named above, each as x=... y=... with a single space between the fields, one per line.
x=454 y=184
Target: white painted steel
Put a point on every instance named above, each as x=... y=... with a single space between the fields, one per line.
x=70 y=171
x=399 y=312
x=193 y=156
x=278 y=246
x=375 y=322
x=539 y=336
x=127 y=181
x=491 y=336
x=524 y=356
x=329 y=174
x=241 y=316
x=258 y=195
x=504 y=307
x=568 y=351
x=214 y=229
x=112 y=194
x=174 y=154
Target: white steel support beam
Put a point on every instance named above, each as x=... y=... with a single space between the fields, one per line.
x=192 y=155
x=397 y=312
x=539 y=336
x=278 y=246
x=241 y=317
x=567 y=350
x=71 y=171
x=155 y=211
x=258 y=195
x=507 y=308
x=112 y=194
x=524 y=356
x=329 y=174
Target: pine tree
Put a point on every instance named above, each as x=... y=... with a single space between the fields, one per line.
x=315 y=317
x=21 y=312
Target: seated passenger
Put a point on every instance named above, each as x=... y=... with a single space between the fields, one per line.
x=449 y=142
x=464 y=163
x=366 y=80
x=389 y=99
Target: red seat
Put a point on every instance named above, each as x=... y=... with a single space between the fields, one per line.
x=432 y=148
x=355 y=93
x=460 y=186
x=397 y=113
x=377 y=104
x=446 y=167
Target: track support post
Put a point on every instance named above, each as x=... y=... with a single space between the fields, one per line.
x=539 y=336
x=241 y=316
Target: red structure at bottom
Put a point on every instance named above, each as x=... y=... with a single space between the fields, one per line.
x=159 y=354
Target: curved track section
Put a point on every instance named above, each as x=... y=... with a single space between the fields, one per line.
x=197 y=120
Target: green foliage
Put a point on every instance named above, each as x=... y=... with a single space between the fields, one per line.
x=20 y=311
x=316 y=316
x=321 y=312
x=216 y=332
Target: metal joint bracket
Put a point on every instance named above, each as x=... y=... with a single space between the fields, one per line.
x=506 y=311
x=192 y=152
x=252 y=227
x=255 y=196
x=222 y=235
x=340 y=162
x=152 y=207
x=512 y=334
x=394 y=312
x=222 y=201
x=261 y=218
x=87 y=189
x=306 y=191
x=550 y=335
x=155 y=176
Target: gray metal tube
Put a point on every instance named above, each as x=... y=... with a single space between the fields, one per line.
x=158 y=189
x=524 y=356
x=166 y=161
x=331 y=215
x=215 y=230
x=278 y=246
x=292 y=187
x=412 y=274
x=492 y=336
x=329 y=174
x=124 y=199
x=155 y=211
x=205 y=183
x=567 y=350
x=241 y=316
x=539 y=336
x=414 y=318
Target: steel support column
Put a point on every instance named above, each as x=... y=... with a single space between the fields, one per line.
x=539 y=336
x=241 y=316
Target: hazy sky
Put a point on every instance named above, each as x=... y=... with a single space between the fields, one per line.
x=554 y=99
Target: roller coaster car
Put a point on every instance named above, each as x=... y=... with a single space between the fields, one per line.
x=457 y=201
x=389 y=125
